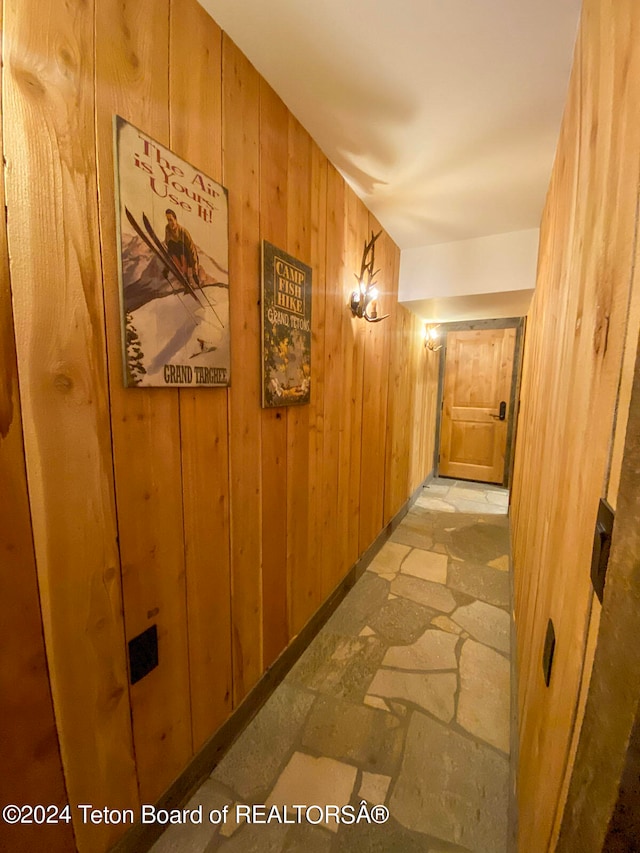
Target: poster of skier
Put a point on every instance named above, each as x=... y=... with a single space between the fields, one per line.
x=173 y=249
x=286 y=329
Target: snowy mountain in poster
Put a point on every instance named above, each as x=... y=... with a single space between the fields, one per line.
x=173 y=251
x=158 y=308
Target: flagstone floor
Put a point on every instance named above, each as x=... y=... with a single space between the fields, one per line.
x=402 y=700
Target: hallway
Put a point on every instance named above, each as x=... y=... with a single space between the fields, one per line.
x=402 y=699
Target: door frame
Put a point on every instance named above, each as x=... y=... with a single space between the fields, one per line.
x=517 y=323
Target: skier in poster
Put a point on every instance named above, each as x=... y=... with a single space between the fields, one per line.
x=180 y=247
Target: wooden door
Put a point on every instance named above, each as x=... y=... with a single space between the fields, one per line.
x=476 y=404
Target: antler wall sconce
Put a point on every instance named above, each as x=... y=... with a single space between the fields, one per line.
x=363 y=302
x=431 y=336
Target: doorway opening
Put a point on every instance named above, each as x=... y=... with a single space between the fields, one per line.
x=478 y=400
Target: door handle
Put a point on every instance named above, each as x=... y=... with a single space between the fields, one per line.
x=503 y=411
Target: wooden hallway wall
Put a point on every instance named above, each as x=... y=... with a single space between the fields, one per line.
x=580 y=351
x=224 y=524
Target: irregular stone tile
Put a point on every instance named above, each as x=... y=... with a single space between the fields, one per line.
x=462 y=598
x=501 y=563
x=479 y=543
x=311 y=839
x=367 y=632
x=308 y=668
x=435 y=490
x=348 y=672
x=376 y=702
x=314 y=781
x=433 y=650
x=441 y=537
x=346 y=649
x=388 y=837
x=426 y=565
x=398 y=709
x=452 y=788
x=357 y=734
x=477 y=507
x=410 y=536
x=413 y=538
x=499 y=521
x=391 y=596
x=446 y=528
x=388 y=558
x=419 y=519
x=252 y=764
x=374 y=788
x=466 y=494
x=441 y=847
x=424 y=592
x=444 y=623
x=472 y=485
x=233 y=822
x=484 y=700
x=482 y=582
x=194 y=838
x=401 y=621
x=485 y=623
x=387 y=576
x=435 y=504
x=257 y=838
x=439 y=548
x=434 y=691
x=500 y=498
x=369 y=593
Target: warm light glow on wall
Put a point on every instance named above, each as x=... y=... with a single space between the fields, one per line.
x=431 y=338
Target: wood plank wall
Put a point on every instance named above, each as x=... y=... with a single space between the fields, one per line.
x=29 y=750
x=223 y=524
x=576 y=339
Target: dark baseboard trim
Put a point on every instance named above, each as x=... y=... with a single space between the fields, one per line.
x=141 y=837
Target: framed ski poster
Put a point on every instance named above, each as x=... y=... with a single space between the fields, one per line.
x=286 y=329
x=173 y=249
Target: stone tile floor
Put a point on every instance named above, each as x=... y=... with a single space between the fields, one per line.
x=402 y=699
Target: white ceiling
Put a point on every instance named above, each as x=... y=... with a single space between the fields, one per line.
x=443 y=115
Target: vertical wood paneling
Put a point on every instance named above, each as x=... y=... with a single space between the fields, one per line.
x=55 y=272
x=353 y=344
x=374 y=394
x=334 y=505
x=301 y=575
x=274 y=163
x=132 y=80
x=399 y=425
x=224 y=525
x=196 y=135
x=413 y=385
x=573 y=358
x=241 y=121
x=319 y=179
x=29 y=751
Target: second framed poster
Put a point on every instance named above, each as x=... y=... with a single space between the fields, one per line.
x=286 y=329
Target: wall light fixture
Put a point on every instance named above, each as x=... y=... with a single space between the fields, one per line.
x=431 y=337
x=364 y=300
